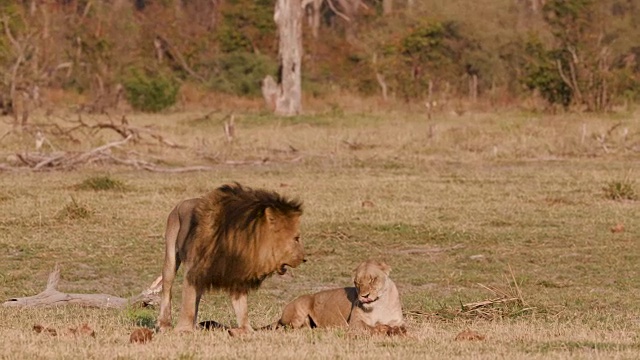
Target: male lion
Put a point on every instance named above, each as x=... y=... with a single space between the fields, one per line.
x=231 y=239
x=373 y=305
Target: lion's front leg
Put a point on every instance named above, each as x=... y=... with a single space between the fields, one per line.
x=189 y=308
x=239 y=303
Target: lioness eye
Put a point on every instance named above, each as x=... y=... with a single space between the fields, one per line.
x=297 y=238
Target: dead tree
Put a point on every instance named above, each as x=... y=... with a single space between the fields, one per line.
x=288 y=18
x=52 y=297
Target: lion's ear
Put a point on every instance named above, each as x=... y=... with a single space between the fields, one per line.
x=272 y=217
x=384 y=267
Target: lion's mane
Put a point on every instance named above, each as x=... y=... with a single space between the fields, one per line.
x=230 y=233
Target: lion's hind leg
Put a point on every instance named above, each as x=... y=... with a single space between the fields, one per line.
x=169 y=270
x=179 y=224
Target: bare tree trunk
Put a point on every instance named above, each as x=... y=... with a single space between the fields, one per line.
x=536 y=5
x=288 y=18
x=313 y=15
x=348 y=11
x=213 y=21
x=383 y=86
x=387 y=7
x=473 y=87
x=270 y=92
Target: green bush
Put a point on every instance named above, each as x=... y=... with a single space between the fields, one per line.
x=541 y=73
x=241 y=73
x=151 y=93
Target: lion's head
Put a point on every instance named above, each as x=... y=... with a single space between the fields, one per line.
x=242 y=236
x=283 y=234
x=370 y=279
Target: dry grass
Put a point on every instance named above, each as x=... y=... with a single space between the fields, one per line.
x=450 y=203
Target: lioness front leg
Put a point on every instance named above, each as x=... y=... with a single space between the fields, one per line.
x=239 y=303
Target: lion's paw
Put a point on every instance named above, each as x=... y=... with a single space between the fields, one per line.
x=184 y=329
x=236 y=332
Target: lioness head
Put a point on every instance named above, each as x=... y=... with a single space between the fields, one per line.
x=370 y=279
x=284 y=236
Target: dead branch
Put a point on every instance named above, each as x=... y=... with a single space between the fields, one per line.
x=67 y=160
x=4 y=167
x=424 y=250
x=602 y=138
x=52 y=297
x=337 y=12
x=176 y=55
x=179 y=170
x=124 y=129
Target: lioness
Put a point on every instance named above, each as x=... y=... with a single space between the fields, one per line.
x=372 y=305
x=231 y=239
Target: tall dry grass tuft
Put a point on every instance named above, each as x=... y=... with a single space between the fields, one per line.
x=621 y=189
x=506 y=302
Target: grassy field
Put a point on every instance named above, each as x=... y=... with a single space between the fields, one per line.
x=455 y=204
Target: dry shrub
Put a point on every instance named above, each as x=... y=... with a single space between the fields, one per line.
x=101 y=183
x=74 y=211
x=141 y=336
x=620 y=190
x=505 y=303
x=469 y=335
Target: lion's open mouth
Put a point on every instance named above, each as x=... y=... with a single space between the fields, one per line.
x=283 y=269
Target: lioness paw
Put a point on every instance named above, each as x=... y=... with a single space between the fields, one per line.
x=397 y=330
x=388 y=330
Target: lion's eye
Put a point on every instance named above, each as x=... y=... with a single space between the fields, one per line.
x=297 y=238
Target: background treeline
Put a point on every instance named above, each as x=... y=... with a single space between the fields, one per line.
x=579 y=54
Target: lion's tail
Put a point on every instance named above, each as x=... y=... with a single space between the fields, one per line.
x=211 y=325
x=275 y=326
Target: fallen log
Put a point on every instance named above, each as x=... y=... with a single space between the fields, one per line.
x=52 y=297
